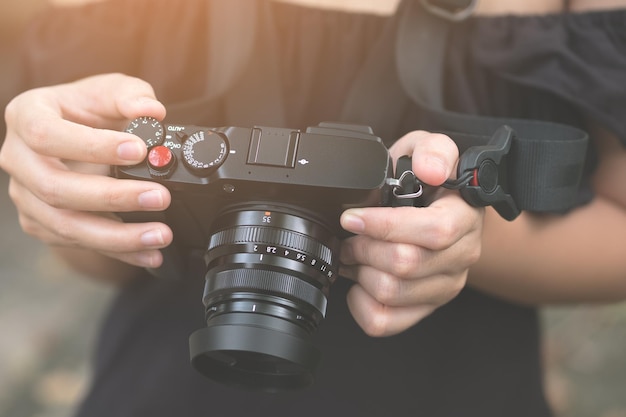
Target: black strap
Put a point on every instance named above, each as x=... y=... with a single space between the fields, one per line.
x=539 y=163
x=545 y=160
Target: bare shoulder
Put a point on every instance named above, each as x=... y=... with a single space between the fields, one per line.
x=383 y=7
x=587 y=5
x=520 y=7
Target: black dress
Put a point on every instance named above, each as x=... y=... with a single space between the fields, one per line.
x=477 y=355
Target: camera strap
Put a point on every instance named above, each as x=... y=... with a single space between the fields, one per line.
x=525 y=164
x=510 y=164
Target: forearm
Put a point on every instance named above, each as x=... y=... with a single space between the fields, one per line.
x=577 y=257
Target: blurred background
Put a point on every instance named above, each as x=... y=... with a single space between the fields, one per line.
x=49 y=316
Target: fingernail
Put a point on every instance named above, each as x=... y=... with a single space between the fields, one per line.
x=151 y=199
x=130 y=151
x=152 y=238
x=145 y=99
x=352 y=222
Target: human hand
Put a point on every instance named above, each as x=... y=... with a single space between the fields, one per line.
x=408 y=261
x=59 y=145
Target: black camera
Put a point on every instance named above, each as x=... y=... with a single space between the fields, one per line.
x=263 y=206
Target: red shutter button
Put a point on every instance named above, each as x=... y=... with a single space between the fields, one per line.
x=161 y=161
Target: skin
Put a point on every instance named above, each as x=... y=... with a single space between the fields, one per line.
x=405 y=262
x=63 y=201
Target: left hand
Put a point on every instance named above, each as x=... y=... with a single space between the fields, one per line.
x=408 y=261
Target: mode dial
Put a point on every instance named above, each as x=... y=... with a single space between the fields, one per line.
x=147 y=128
x=204 y=151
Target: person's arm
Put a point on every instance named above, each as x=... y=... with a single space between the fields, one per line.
x=576 y=257
x=60 y=142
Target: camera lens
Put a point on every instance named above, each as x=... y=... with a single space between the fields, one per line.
x=269 y=270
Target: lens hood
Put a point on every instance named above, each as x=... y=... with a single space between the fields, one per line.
x=254 y=354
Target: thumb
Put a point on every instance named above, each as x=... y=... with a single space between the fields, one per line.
x=434 y=155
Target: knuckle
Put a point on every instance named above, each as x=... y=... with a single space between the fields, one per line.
x=474 y=254
x=452 y=289
x=138 y=85
x=404 y=260
x=116 y=77
x=4 y=165
x=388 y=289
x=143 y=84
x=36 y=130
x=458 y=285
x=48 y=191
x=27 y=225
x=66 y=232
x=444 y=233
x=436 y=137
x=13 y=192
x=11 y=111
x=449 y=289
x=114 y=199
x=376 y=324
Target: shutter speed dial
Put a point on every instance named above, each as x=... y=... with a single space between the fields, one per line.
x=204 y=151
x=149 y=129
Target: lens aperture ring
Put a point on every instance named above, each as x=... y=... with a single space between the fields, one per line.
x=272 y=236
x=265 y=243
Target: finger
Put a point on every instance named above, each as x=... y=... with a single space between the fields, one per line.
x=59 y=187
x=407 y=262
x=400 y=259
x=145 y=259
x=392 y=291
x=100 y=99
x=69 y=190
x=93 y=231
x=86 y=230
x=90 y=231
x=435 y=227
x=52 y=136
x=434 y=155
x=379 y=320
x=57 y=121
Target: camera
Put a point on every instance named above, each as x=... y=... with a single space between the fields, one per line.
x=262 y=206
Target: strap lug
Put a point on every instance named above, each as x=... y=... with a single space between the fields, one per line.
x=489 y=185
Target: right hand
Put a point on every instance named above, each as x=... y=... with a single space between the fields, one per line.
x=408 y=261
x=60 y=143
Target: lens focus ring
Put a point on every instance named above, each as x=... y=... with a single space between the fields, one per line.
x=268 y=282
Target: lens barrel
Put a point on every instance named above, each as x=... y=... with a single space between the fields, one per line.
x=269 y=271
